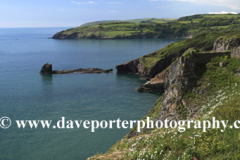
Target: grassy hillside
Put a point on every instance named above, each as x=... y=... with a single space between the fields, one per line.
x=153 y=28
x=203 y=42
x=217 y=94
x=146 y=20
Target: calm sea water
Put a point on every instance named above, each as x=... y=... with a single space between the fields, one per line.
x=25 y=94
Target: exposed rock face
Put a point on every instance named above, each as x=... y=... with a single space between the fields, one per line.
x=179 y=78
x=235 y=52
x=130 y=67
x=228 y=43
x=47 y=69
x=143 y=71
x=155 y=84
x=61 y=35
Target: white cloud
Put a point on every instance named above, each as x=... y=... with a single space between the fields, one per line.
x=233 y=4
x=223 y=12
x=89 y=2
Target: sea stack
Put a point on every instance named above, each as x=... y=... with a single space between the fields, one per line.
x=46 y=69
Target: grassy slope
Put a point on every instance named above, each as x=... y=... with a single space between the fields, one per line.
x=155 y=28
x=148 y=20
x=221 y=100
x=202 y=41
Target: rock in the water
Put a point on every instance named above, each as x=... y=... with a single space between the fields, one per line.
x=88 y=70
x=46 y=69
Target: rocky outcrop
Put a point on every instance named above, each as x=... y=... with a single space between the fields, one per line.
x=228 y=43
x=235 y=52
x=62 y=35
x=130 y=67
x=155 y=84
x=80 y=70
x=47 y=69
x=179 y=78
x=145 y=70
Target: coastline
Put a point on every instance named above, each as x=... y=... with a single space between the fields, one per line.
x=185 y=85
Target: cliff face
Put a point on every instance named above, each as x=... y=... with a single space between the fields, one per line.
x=130 y=67
x=62 y=35
x=231 y=43
x=179 y=78
x=195 y=85
x=155 y=84
x=149 y=66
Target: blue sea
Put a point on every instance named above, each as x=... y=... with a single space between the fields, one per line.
x=27 y=95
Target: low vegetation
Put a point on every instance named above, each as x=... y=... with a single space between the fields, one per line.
x=153 y=28
x=204 y=42
x=220 y=99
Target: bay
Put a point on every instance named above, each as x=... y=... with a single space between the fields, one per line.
x=27 y=95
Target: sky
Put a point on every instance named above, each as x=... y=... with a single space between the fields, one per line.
x=73 y=13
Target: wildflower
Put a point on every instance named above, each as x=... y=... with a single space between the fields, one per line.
x=195 y=158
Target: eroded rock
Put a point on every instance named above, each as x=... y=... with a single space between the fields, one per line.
x=228 y=43
x=47 y=69
x=155 y=84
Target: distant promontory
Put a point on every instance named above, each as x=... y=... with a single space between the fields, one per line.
x=152 y=27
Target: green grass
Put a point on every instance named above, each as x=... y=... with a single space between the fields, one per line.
x=221 y=101
x=154 y=28
x=203 y=42
x=144 y=20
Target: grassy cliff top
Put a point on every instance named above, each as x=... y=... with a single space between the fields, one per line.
x=144 y=20
x=220 y=100
x=152 y=27
x=203 y=42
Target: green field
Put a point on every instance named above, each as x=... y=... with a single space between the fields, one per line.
x=153 y=27
x=145 y=20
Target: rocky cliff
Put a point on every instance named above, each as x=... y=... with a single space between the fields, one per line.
x=179 y=78
x=155 y=84
x=197 y=85
x=150 y=65
x=228 y=42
